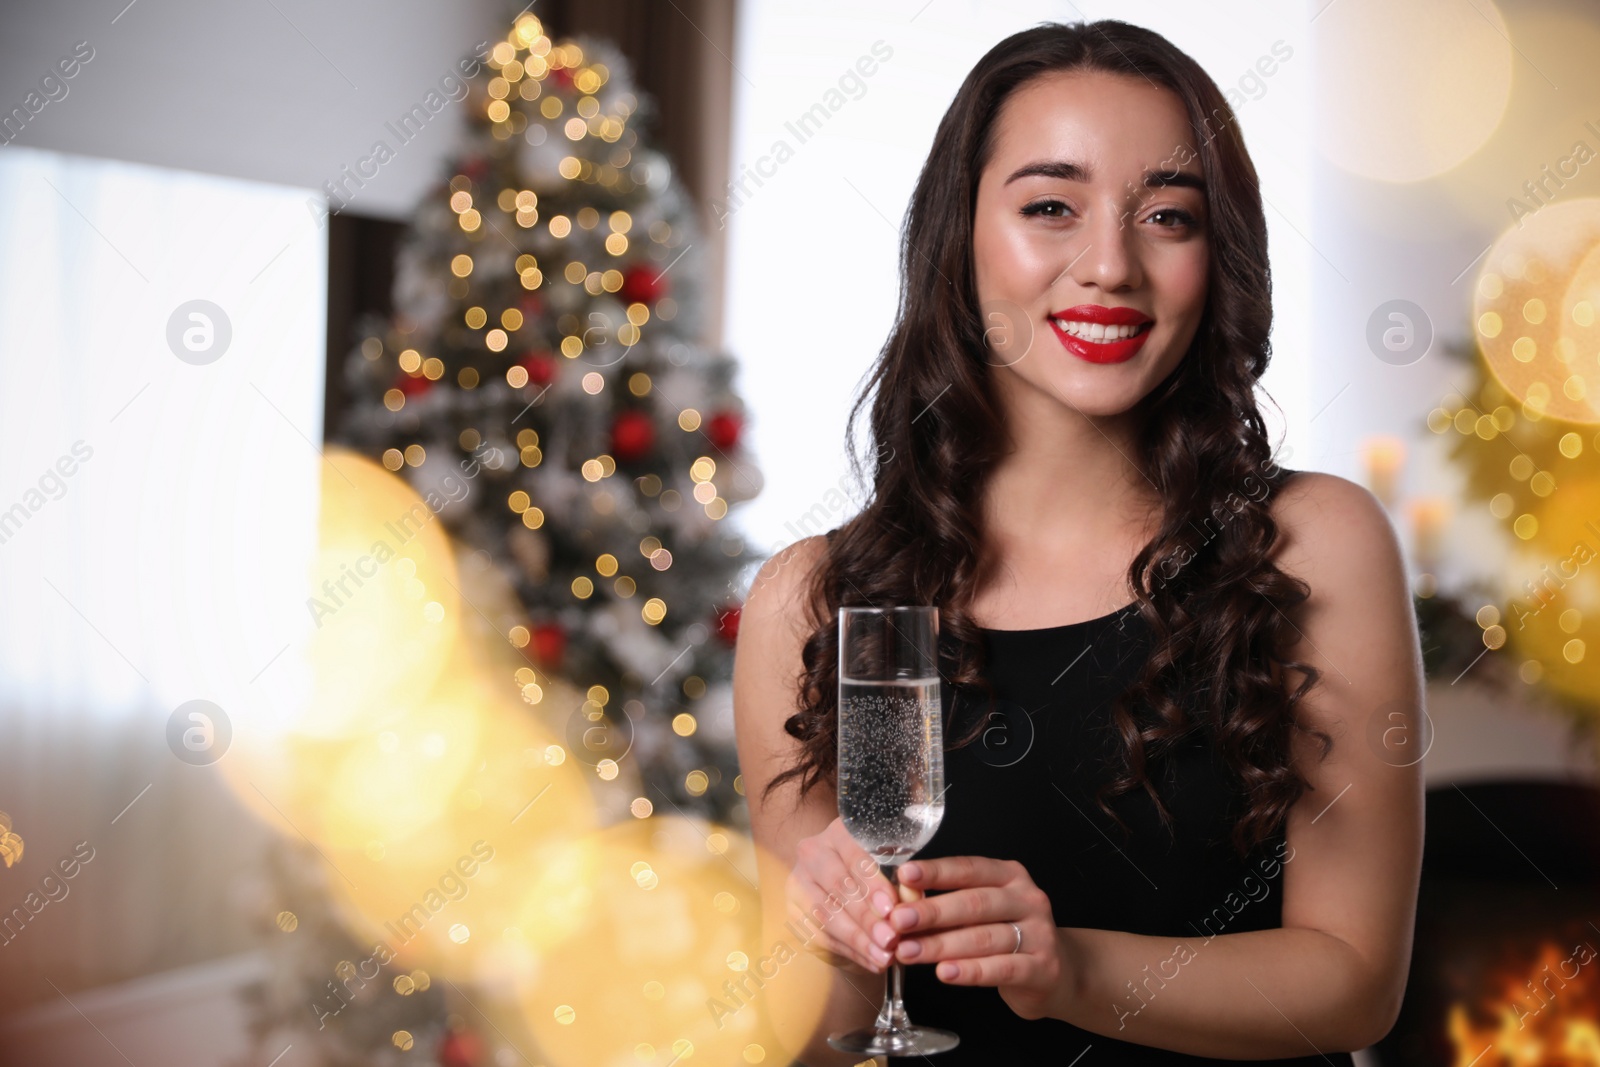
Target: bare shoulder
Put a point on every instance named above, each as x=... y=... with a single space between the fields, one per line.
x=1333 y=531
x=776 y=622
x=1358 y=625
x=781 y=584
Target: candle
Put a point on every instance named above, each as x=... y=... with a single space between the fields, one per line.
x=1428 y=518
x=1384 y=456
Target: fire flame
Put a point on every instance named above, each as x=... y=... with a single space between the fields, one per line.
x=1542 y=1016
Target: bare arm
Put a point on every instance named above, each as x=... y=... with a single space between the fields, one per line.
x=1331 y=978
x=773 y=627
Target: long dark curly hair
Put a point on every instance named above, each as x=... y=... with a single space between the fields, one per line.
x=1219 y=611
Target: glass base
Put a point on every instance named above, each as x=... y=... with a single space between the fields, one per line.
x=909 y=1041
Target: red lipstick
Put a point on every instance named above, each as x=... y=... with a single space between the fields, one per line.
x=1114 y=351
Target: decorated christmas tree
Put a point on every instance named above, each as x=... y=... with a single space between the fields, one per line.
x=542 y=380
x=1537 y=476
x=323 y=982
x=1523 y=428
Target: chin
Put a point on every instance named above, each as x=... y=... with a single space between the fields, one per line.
x=1098 y=400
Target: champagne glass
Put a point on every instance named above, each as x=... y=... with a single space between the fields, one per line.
x=891 y=776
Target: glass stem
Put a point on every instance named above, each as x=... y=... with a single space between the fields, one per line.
x=892 y=1016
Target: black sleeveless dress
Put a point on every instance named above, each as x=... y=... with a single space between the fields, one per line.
x=1024 y=791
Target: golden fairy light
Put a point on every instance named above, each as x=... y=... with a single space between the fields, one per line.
x=1554 y=594
x=11 y=843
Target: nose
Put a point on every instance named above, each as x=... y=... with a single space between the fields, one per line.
x=1106 y=256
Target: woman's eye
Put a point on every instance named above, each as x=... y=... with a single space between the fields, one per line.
x=1043 y=207
x=1179 y=218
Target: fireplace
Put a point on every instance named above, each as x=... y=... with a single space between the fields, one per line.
x=1505 y=968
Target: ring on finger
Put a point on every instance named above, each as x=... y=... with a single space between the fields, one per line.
x=1018 y=946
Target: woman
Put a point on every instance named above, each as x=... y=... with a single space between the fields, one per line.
x=1174 y=830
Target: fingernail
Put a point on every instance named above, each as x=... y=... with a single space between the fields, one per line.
x=902 y=918
x=882 y=933
x=881 y=904
x=911 y=870
x=910 y=950
x=881 y=956
x=946 y=971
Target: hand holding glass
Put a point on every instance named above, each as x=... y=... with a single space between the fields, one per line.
x=891 y=775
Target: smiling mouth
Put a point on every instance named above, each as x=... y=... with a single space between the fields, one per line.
x=1097 y=333
x=1095 y=342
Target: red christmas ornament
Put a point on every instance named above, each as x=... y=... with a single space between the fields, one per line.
x=562 y=76
x=413 y=385
x=633 y=434
x=643 y=284
x=723 y=429
x=728 y=624
x=548 y=645
x=541 y=368
x=460 y=1048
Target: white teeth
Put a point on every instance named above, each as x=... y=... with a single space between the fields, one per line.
x=1094 y=331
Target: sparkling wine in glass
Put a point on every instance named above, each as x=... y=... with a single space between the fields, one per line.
x=891 y=776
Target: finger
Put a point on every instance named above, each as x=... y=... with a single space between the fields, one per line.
x=876 y=888
x=959 y=907
x=958 y=872
x=967 y=942
x=868 y=883
x=837 y=946
x=986 y=970
x=843 y=962
x=821 y=920
x=828 y=949
x=866 y=905
x=842 y=888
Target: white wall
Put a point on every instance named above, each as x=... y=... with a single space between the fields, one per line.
x=289 y=91
x=812 y=264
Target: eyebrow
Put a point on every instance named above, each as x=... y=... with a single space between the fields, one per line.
x=1066 y=170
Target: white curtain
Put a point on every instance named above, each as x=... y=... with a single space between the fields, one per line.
x=158 y=496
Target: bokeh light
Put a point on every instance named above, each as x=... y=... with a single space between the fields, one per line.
x=670 y=954
x=1407 y=91
x=1534 y=310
